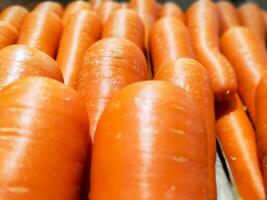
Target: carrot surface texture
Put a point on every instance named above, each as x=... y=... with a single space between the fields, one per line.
x=143 y=146
x=80 y=32
x=43 y=140
x=193 y=78
x=202 y=19
x=109 y=65
x=237 y=139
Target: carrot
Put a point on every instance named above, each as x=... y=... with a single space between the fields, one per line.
x=202 y=18
x=8 y=34
x=237 y=139
x=43 y=140
x=80 y=32
x=109 y=65
x=51 y=6
x=97 y=3
x=260 y=105
x=170 y=9
x=143 y=146
x=19 y=61
x=251 y=17
x=169 y=39
x=106 y=9
x=41 y=30
x=228 y=15
x=248 y=56
x=73 y=7
x=193 y=78
x=125 y=23
x=14 y=15
x=124 y=5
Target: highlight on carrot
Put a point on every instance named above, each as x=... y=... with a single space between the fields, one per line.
x=125 y=23
x=237 y=139
x=170 y=9
x=261 y=105
x=14 y=15
x=194 y=79
x=202 y=19
x=18 y=61
x=248 y=56
x=80 y=32
x=228 y=15
x=169 y=39
x=109 y=65
x=143 y=143
x=106 y=9
x=41 y=30
x=73 y=7
x=44 y=140
x=251 y=17
x=97 y=3
x=50 y=6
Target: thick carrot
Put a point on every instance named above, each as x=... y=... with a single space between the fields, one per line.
x=43 y=140
x=260 y=106
x=41 y=30
x=170 y=9
x=249 y=58
x=194 y=78
x=125 y=23
x=50 y=6
x=19 y=61
x=8 y=34
x=109 y=65
x=143 y=146
x=251 y=17
x=14 y=15
x=237 y=139
x=74 y=7
x=106 y=9
x=228 y=15
x=203 y=23
x=80 y=32
x=169 y=39
x=97 y=3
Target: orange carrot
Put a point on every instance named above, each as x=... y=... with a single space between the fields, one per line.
x=80 y=32
x=249 y=59
x=170 y=9
x=50 y=6
x=19 y=61
x=14 y=15
x=125 y=23
x=237 y=139
x=106 y=9
x=203 y=23
x=228 y=15
x=193 y=77
x=169 y=39
x=8 y=34
x=109 y=65
x=74 y=7
x=150 y=144
x=43 y=140
x=41 y=30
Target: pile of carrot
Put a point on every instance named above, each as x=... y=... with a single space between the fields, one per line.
x=137 y=100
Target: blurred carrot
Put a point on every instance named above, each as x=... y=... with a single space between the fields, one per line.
x=41 y=30
x=249 y=59
x=8 y=34
x=125 y=23
x=106 y=9
x=170 y=9
x=80 y=32
x=51 y=6
x=150 y=144
x=14 y=15
x=228 y=15
x=202 y=18
x=169 y=39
